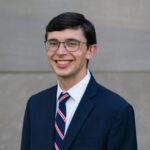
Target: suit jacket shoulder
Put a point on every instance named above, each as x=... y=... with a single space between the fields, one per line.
x=43 y=96
x=105 y=96
x=38 y=126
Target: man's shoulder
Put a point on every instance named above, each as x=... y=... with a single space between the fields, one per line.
x=103 y=91
x=45 y=91
x=112 y=98
x=43 y=95
x=106 y=95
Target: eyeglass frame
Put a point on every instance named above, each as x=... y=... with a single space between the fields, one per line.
x=64 y=44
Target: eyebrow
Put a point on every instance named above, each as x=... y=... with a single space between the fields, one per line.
x=54 y=39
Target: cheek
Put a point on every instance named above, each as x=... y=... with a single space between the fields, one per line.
x=49 y=55
x=83 y=58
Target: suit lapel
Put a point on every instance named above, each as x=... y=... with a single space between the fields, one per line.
x=83 y=111
x=51 y=109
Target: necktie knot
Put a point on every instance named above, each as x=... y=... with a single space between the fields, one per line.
x=63 y=98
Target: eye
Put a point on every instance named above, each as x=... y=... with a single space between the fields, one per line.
x=72 y=43
x=53 y=43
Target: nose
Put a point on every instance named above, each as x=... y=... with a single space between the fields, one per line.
x=61 y=49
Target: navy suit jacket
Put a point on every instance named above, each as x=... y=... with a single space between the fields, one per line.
x=102 y=121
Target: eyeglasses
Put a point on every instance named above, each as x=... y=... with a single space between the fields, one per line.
x=70 y=45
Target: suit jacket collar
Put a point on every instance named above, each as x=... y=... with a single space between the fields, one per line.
x=51 y=98
x=84 y=109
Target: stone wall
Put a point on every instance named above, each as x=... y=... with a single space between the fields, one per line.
x=122 y=62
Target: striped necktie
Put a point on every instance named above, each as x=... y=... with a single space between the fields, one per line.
x=60 y=121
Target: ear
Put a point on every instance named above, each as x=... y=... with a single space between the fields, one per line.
x=91 y=51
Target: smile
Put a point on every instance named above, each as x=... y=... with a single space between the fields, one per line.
x=63 y=63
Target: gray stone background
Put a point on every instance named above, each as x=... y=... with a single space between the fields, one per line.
x=122 y=62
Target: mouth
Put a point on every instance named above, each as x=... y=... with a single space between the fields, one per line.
x=62 y=64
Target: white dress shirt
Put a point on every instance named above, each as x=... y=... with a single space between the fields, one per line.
x=76 y=93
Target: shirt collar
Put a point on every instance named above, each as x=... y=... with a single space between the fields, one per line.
x=77 y=91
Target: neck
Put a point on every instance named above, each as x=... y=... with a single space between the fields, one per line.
x=66 y=83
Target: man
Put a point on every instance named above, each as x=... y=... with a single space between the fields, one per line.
x=87 y=116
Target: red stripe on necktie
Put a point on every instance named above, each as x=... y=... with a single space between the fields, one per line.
x=62 y=115
x=59 y=131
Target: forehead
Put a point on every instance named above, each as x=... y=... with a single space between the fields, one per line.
x=67 y=34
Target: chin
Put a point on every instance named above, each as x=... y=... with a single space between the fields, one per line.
x=63 y=76
x=62 y=73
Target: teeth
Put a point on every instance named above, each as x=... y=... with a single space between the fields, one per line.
x=62 y=62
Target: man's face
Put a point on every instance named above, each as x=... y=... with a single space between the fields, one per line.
x=69 y=64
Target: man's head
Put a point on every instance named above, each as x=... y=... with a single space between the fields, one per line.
x=70 y=41
x=71 y=20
